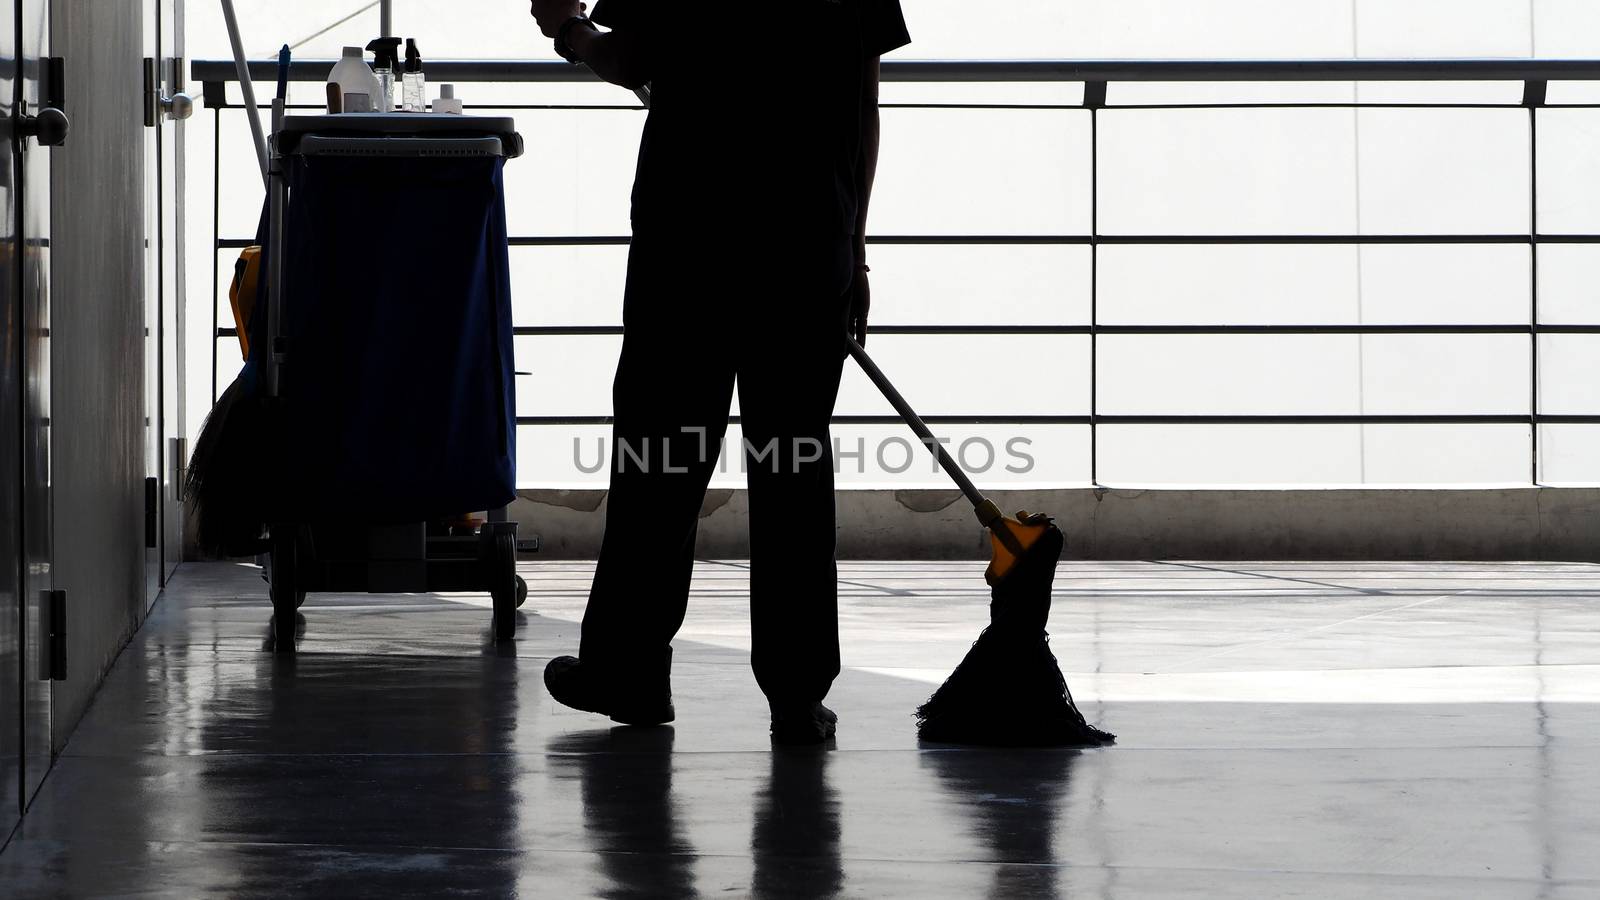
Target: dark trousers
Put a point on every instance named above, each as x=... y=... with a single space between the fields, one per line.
x=699 y=318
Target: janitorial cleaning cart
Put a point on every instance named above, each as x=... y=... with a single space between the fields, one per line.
x=388 y=358
x=376 y=411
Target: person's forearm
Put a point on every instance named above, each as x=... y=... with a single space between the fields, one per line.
x=617 y=58
x=869 y=156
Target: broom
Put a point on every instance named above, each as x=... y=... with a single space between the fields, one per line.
x=1009 y=690
x=225 y=482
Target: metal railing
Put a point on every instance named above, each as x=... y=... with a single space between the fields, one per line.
x=1533 y=75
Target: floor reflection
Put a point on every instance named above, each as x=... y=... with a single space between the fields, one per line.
x=795 y=837
x=1012 y=803
x=331 y=805
x=630 y=818
x=400 y=753
x=269 y=641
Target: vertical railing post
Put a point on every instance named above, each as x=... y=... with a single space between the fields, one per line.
x=1094 y=99
x=216 y=231
x=1533 y=97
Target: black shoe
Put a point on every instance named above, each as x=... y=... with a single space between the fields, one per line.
x=803 y=724
x=576 y=685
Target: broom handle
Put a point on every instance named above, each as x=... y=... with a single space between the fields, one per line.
x=988 y=512
x=246 y=86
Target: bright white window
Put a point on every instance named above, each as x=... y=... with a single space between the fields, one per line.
x=1026 y=174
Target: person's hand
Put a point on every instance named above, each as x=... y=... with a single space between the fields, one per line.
x=860 y=305
x=552 y=14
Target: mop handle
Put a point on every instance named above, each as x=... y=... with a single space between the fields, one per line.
x=245 y=85
x=988 y=512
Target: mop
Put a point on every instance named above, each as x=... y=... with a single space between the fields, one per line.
x=1009 y=690
x=225 y=478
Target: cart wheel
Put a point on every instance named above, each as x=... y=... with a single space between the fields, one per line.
x=503 y=574
x=522 y=591
x=285 y=599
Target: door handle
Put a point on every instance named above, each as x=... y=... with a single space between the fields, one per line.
x=50 y=127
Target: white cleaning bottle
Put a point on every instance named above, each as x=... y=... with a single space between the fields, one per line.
x=447 y=101
x=353 y=76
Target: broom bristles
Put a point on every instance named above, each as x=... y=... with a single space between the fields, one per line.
x=223 y=482
x=1009 y=690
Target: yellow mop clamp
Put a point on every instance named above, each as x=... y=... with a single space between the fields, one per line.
x=1011 y=538
x=242 y=293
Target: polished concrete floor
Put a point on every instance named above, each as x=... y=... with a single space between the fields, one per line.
x=1287 y=730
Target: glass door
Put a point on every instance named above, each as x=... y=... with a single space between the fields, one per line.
x=11 y=409
x=173 y=108
x=40 y=126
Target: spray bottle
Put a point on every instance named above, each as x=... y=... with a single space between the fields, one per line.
x=414 y=89
x=385 y=52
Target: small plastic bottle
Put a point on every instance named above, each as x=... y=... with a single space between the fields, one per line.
x=446 y=102
x=414 y=85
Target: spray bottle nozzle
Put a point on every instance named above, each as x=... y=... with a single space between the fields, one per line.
x=413 y=57
x=385 y=52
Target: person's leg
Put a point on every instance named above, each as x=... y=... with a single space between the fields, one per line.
x=670 y=408
x=788 y=382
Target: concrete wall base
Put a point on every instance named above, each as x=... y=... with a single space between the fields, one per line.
x=1393 y=524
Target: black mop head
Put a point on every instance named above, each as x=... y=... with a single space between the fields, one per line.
x=223 y=484
x=1009 y=690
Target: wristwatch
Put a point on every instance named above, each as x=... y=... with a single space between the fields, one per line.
x=562 y=47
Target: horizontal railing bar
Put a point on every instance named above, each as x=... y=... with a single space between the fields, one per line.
x=1275 y=239
x=1325 y=104
x=843 y=420
x=1039 y=70
x=620 y=240
x=1150 y=420
x=1202 y=104
x=1024 y=107
x=909 y=240
x=1440 y=329
x=1200 y=419
x=1312 y=329
x=1185 y=70
x=1220 y=330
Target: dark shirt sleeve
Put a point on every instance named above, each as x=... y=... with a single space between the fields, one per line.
x=625 y=14
x=883 y=26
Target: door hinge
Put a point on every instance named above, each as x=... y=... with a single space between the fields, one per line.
x=180 y=467
x=157 y=104
x=152 y=511
x=152 y=93
x=58 y=635
x=55 y=82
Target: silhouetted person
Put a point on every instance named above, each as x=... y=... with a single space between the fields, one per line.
x=748 y=260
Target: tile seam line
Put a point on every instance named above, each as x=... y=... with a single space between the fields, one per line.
x=1173 y=670
x=864 y=751
x=1244 y=572
x=428 y=848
